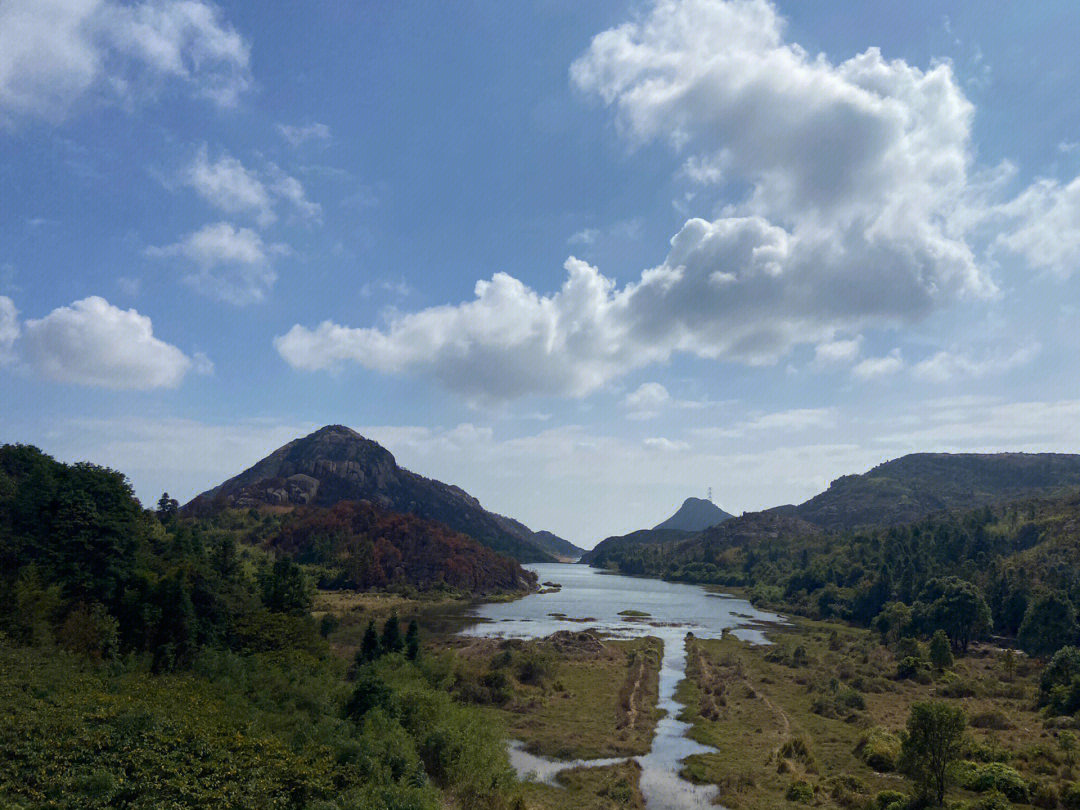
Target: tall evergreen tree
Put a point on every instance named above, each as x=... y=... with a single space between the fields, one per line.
x=391 y=636
x=370 y=646
x=412 y=641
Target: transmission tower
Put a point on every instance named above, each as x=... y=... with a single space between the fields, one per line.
x=710 y=494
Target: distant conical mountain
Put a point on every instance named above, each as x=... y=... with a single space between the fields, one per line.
x=695 y=515
x=337 y=464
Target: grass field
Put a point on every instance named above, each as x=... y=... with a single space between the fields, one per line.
x=798 y=721
x=573 y=695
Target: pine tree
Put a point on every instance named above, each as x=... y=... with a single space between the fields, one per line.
x=412 y=641
x=391 y=636
x=370 y=647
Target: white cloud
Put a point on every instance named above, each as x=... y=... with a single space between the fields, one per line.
x=794 y=420
x=875 y=368
x=291 y=190
x=298 y=135
x=838 y=352
x=586 y=236
x=646 y=401
x=986 y=425
x=94 y=343
x=945 y=366
x=864 y=210
x=9 y=328
x=201 y=364
x=665 y=445
x=854 y=171
x=736 y=289
x=790 y=421
x=230 y=187
x=55 y=53
x=234 y=264
x=1046 y=230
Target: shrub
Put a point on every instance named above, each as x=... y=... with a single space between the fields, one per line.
x=90 y=631
x=992 y=801
x=797 y=748
x=993 y=776
x=910 y=667
x=889 y=798
x=879 y=749
x=800 y=792
x=1044 y=794
x=1070 y=796
x=991 y=719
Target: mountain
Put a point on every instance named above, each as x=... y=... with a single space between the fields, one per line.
x=920 y=484
x=695 y=515
x=335 y=464
x=361 y=546
x=611 y=549
x=556 y=546
x=896 y=493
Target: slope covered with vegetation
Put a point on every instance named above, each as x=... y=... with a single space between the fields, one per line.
x=360 y=546
x=973 y=573
x=150 y=661
x=911 y=487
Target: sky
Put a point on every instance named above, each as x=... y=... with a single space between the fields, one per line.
x=584 y=260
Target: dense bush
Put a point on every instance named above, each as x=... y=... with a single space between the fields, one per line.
x=879 y=749
x=992 y=776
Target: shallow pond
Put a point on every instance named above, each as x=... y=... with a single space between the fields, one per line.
x=613 y=604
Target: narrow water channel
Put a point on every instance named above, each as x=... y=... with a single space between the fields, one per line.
x=674 y=610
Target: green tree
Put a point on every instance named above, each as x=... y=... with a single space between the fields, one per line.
x=285 y=588
x=935 y=732
x=412 y=641
x=1049 y=624
x=391 y=636
x=957 y=607
x=174 y=642
x=1059 y=685
x=167 y=508
x=940 y=654
x=893 y=622
x=370 y=646
x=370 y=692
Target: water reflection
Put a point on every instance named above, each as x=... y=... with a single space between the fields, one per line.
x=590 y=598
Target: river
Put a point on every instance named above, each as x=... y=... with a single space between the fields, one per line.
x=674 y=610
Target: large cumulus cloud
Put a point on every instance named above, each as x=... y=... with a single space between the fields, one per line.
x=853 y=202
x=94 y=343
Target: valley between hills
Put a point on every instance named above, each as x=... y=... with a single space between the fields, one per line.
x=329 y=630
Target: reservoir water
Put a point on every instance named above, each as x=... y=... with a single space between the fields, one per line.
x=674 y=610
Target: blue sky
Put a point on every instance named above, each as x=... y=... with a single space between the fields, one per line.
x=583 y=259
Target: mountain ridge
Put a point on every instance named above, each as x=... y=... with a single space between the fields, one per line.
x=335 y=463
x=897 y=492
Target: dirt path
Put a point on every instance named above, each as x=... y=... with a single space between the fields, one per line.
x=632 y=700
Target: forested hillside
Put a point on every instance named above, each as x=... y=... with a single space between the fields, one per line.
x=914 y=486
x=1011 y=569
x=358 y=545
x=148 y=660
